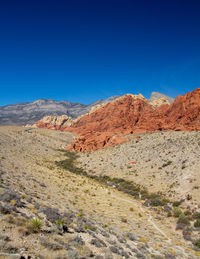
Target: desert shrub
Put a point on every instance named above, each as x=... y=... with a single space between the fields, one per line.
x=118 y=180
x=177 y=212
x=167 y=163
x=169 y=214
x=182 y=219
x=156 y=199
x=90 y=227
x=52 y=214
x=106 y=178
x=86 y=227
x=23 y=196
x=187 y=213
x=124 y=220
x=197 y=223
x=80 y=214
x=156 y=202
x=176 y=203
x=60 y=222
x=196 y=215
x=197 y=243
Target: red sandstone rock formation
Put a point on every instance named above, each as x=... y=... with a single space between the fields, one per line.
x=109 y=124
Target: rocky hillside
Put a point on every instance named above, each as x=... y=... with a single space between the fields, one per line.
x=110 y=119
x=155 y=96
x=111 y=123
x=160 y=161
x=54 y=122
x=29 y=113
x=50 y=207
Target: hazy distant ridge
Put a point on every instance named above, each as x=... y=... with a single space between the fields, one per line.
x=29 y=113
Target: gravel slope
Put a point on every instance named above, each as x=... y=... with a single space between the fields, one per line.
x=100 y=222
x=164 y=161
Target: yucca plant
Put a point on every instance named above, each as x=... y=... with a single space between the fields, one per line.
x=36 y=224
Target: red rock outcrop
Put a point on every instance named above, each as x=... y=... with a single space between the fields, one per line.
x=111 y=123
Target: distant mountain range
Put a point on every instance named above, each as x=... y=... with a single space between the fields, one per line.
x=28 y=113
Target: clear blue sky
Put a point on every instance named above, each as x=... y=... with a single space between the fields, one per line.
x=84 y=50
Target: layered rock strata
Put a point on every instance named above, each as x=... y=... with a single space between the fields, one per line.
x=111 y=123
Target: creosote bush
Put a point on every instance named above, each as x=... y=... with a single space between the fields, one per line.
x=177 y=212
x=176 y=203
x=187 y=213
x=197 y=223
x=196 y=215
x=183 y=220
x=197 y=243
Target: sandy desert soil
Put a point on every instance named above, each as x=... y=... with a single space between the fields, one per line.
x=80 y=217
x=162 y=161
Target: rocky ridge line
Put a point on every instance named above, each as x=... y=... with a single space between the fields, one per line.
x=29 y=113
x=110 y=124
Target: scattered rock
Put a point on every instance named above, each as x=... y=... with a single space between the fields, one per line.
x=180 y=226
x=170 y=256
x=77 y=241
x=52 y=214
x=72 y=254
x=10 y=196
x=97 y=242
x=114 y=250
x=130 y=236
x=50 y=245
